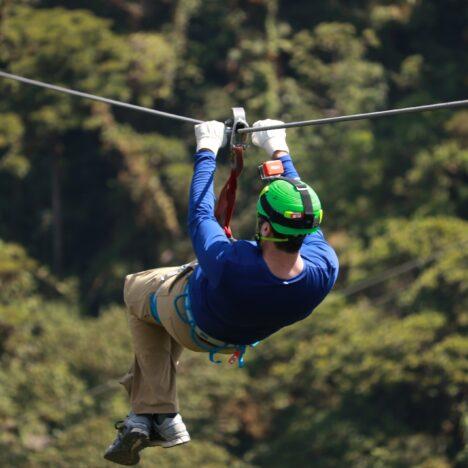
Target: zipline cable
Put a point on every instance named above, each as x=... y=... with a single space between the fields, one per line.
x=304 y=123
x=368 y=115
x=112 y=102
x=399 y=270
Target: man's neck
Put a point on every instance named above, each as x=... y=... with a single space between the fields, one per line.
x=282 y=264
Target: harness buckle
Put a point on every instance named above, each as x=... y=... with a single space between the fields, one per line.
x=234 y=357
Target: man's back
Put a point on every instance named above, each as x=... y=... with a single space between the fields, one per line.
x=245 y=302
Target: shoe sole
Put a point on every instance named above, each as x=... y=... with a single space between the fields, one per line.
x=170 y=443
x=130 y=446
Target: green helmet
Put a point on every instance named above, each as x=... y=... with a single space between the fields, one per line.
x=291 y=207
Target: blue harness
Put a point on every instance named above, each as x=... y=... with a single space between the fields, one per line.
x=199 y=337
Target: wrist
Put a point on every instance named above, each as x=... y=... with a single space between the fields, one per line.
x=274 y=145
x=278 y=153
x=204 y=153
x=207 y=144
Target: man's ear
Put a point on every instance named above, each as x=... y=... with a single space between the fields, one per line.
x=266 y=229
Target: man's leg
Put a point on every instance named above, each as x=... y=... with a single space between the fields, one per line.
x=151 y=383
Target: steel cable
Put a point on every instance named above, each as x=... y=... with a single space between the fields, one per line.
x=368 y=115
x=304 y=123
x=112 y=102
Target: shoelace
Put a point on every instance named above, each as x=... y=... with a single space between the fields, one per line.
x=119 y=425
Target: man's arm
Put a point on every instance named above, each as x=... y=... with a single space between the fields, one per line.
x=274 y=143
x=208 y=238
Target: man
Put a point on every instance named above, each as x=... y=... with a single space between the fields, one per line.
x=237 y=294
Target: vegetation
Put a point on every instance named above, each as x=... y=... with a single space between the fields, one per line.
x=377 y=377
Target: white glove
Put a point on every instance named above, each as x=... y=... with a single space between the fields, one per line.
x=210 y=135
x=270 y=140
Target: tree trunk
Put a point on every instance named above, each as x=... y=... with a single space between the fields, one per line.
x=57 y=215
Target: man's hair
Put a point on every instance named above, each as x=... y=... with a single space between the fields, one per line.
x=292 y=245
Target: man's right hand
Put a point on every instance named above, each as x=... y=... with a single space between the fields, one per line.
x=272 y=141
x=210 y=135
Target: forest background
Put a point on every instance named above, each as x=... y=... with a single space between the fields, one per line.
x=377 y=376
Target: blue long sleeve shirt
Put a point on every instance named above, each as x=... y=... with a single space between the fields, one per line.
x=235 y=297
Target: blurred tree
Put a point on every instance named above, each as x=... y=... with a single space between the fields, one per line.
x=91 y=58
x=376 y=378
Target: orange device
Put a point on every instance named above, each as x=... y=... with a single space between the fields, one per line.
x=271 y=169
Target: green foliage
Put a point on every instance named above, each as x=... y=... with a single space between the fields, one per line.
x=377 y=376
x=65 y=47
x=438 y=245
x=15 y=272
x=11 y=133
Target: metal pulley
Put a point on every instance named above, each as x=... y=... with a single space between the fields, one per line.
x=236 y=122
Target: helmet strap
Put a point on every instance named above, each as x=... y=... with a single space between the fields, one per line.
x=259 y=237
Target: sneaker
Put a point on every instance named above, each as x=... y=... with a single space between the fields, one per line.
x=170 y=432
x=132 y=437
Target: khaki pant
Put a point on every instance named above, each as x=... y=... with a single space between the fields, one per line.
x=151 y=381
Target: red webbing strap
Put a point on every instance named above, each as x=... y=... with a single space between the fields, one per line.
x=227 y=197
